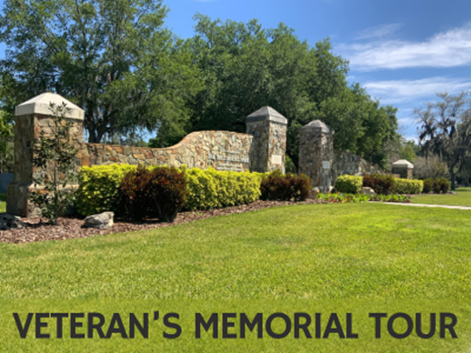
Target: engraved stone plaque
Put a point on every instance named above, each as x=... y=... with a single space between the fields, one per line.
x=326 y=164
x=276 y=159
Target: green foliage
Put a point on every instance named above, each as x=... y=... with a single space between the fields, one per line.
x=406 y=186
x=276 y=186
x=408 y=151
x=244 y=66
x=428 y=186
x=207 y=189
x=381 y=184
x=54 y=167
x=349 y=184
x=441 y=185
x=290 y=167
x=115 y=59
x=99 y=188
x=360 y=198
x=156 y=193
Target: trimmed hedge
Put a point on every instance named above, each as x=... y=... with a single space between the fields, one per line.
x=210 y=188
x=428 y=186
x=157 y=193
x=206 y=189
x=349 y=184
x=441 y=185
x=406 y=186
x=381 y=184
x=277 y=186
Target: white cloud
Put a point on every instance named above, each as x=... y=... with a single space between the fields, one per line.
x=448 y=49
x=379 y=31
x=398 y=91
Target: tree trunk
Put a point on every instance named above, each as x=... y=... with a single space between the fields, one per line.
x=452 y=176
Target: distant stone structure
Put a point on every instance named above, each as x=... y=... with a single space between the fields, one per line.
x=403 y=168
x=316 y=154
x=261 y=149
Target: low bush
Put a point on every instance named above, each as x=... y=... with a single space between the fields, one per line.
x=428 y=186
x=349 y=184
x=441 y=185
x=406 y=186
x=156 y=193
x=381 y=184
x=277 y=186
x=209 y=188
x=356 y=198
x=99 y=189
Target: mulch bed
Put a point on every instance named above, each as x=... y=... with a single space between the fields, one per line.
x=71 y=228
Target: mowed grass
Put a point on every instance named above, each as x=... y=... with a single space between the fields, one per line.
x=462 y=198
x=3 y=203
x=329 y=251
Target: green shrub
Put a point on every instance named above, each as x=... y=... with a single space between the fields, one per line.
x=381 y=184
x=428 y=185
x=156 y=193
x=349 y=184
x=406 y=186
x=277 y=186
x=441 y=185
x=99 y=188
x=207 y=189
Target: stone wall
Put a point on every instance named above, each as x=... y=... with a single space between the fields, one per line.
x=261 y=149
x=350 y=164
x=316 y=152
x=221 y=150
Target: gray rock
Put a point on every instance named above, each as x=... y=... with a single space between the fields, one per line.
x=314 y=193
x=8 y=221
x=102 y=220
x=367 y=191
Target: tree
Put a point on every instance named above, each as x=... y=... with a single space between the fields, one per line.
x=114 y=59
x=445 y=130
x=55 y=168
x=244 y=67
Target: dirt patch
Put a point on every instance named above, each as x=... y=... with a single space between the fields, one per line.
x=71 y=228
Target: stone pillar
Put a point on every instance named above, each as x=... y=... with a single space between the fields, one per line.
x=403 y=168
x=269 y=143
x=316 y=154
x=32 y=117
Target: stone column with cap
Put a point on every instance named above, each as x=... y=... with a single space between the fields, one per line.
x=268 y=128
x=32 y=117
x=316 y=154
x=403 y=168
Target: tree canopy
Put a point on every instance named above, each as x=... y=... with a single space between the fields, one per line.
x=115 y=59
x=244 y=67
x=445 y=130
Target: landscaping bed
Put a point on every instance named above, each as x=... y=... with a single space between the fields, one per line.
x=71 y=228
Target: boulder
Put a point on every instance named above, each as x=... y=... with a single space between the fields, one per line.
x=8 y=221
x=102 y=220
x=367 y=191
x=314 y=193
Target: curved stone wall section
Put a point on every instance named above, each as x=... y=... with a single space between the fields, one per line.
x=221 y=150
x=350 y=164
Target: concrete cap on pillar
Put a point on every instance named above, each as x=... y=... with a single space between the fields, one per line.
x=267 y=114
x=318 y=126
x=403 y=163
x=40 y=105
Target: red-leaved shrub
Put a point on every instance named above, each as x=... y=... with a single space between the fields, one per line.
x=277 y=186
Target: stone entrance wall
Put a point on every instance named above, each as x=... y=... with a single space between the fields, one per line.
x=350 y=164
x=261 y=149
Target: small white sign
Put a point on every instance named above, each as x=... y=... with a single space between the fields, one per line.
x=326 y=164
x=276 y=159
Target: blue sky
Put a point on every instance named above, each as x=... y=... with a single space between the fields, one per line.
x=403 y=52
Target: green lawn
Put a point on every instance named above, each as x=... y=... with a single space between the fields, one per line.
x=462 y=198
x=341 y=258
x=3 y=204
